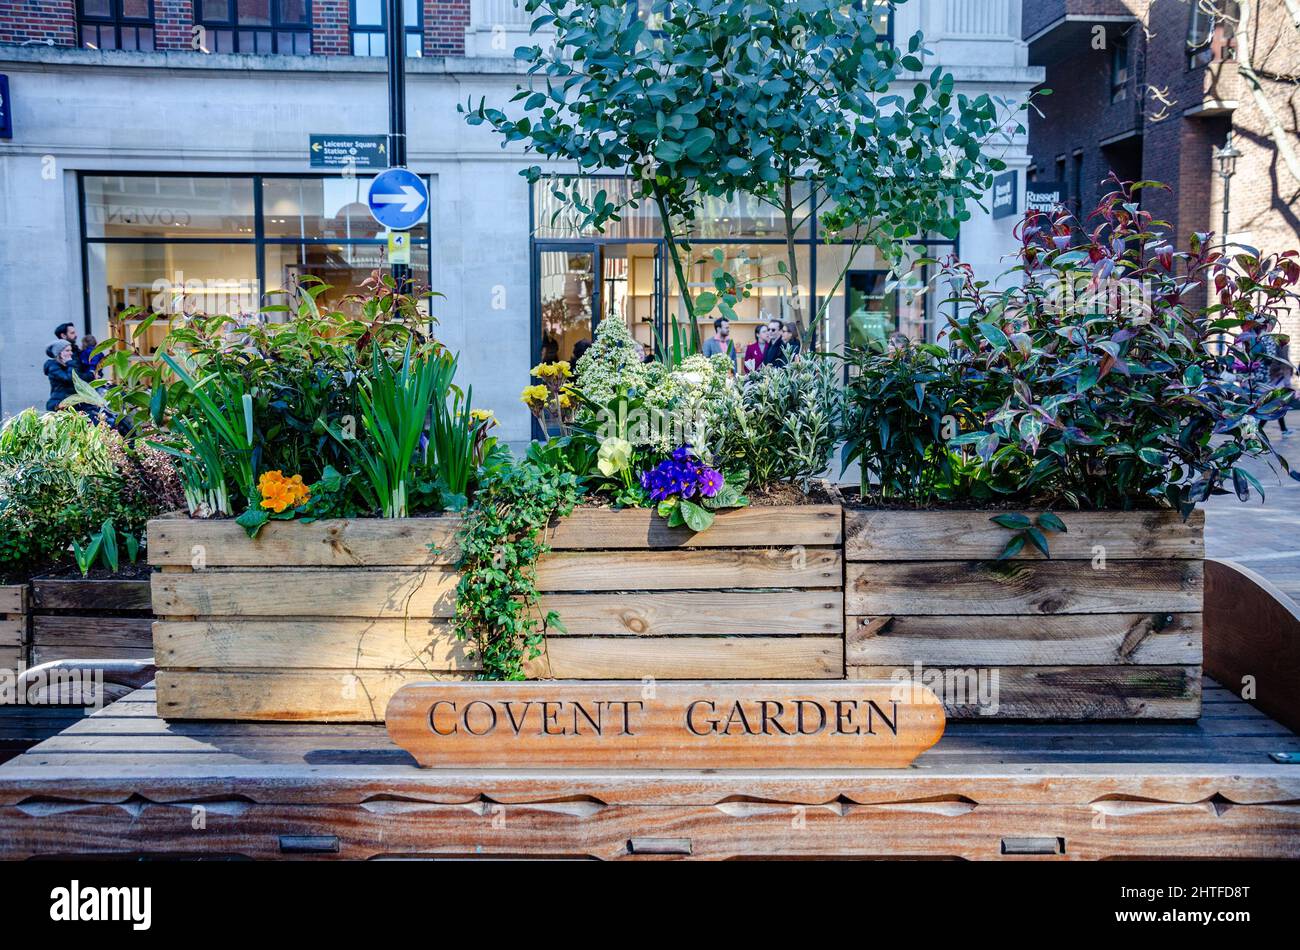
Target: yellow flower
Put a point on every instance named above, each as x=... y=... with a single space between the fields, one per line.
x=483 y=415
x=279 y=493
x=547 y=370
x=535 y=397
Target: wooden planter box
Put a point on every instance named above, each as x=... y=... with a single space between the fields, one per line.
x=13 y=626
x=1066 y=639
x=90 y=619
x=317 y=622
x=325 y=621
x=759 y=595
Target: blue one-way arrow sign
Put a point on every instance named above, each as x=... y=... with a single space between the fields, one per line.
x=398 y=199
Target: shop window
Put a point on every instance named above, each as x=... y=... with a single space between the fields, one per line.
x=370 y=21
x=115 y=24
x=322 y=208
x=256 y=26
x=167 y=207
x=183 y=245
x=1211 y=31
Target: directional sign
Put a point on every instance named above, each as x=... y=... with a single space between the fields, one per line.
x=6 y=110
x=348 y=151
x=398 y=199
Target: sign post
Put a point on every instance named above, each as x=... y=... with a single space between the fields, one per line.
x=396 y=49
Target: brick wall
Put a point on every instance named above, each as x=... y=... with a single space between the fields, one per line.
x=329 y=28
x=1185 y=113
x=445 y=22
x=39 y=20
x=25 y=20
x=173 y=24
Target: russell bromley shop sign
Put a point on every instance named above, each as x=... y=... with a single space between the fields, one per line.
x=627 y=724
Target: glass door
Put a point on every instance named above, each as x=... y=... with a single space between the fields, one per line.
x=870 y=309
x=568 y=300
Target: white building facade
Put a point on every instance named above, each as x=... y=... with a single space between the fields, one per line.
x=183 y=180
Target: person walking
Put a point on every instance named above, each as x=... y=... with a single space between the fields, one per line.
x=59 y=367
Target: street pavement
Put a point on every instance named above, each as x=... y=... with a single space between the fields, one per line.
x=1264 y=536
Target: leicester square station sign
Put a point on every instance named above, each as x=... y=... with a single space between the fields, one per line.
x=689 y=725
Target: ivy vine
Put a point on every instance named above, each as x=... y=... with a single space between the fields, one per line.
x=501 y=541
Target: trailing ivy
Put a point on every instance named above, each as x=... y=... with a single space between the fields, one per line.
x=501 y=541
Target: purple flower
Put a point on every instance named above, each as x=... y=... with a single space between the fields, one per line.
x=710 y=482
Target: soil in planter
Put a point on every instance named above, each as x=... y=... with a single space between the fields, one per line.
x=126 y=572
x=852 y=497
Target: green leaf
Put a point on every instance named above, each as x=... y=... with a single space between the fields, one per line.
x=1014 y=547
x=1038 y=539
x=253 y=520
x=697 y=518
x=1050 y=522
x=994 y=335
x=1015 y=522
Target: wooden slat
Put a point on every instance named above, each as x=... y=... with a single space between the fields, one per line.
x=11 y=657
x=321 y=644
x=678 y=613
x=1061 y=692
x=636 y=529
x=13 y=632
x=13 y=598
x=743 y=829
x=68 y=593
x=881 y=535
x=1021 y=587
x=691 y=658
x=88 y=651
x=301 y=695
x=700 y=570
x=1056 y=640
x=291 y=592
x=363 y=542
x=66 y=631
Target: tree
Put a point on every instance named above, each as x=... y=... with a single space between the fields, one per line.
x=756 y=96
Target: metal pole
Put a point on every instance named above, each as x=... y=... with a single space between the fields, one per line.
x=395 y=40
x=1227 y=200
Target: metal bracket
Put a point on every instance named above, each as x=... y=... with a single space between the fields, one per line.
x=1033 y=846
x=659 y=846
x=309 y=844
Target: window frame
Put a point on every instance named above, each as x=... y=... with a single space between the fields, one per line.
x=381 y=29
x=1119 y=67
x=274 y=28
x=118 y=20
x=1211 y=38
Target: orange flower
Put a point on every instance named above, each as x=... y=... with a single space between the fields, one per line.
x=279 y=493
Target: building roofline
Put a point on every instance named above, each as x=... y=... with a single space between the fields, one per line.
x=41 y=55
x=1079 y=18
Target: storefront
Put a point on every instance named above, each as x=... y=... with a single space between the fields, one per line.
x=224 y=244
x=582 y=277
